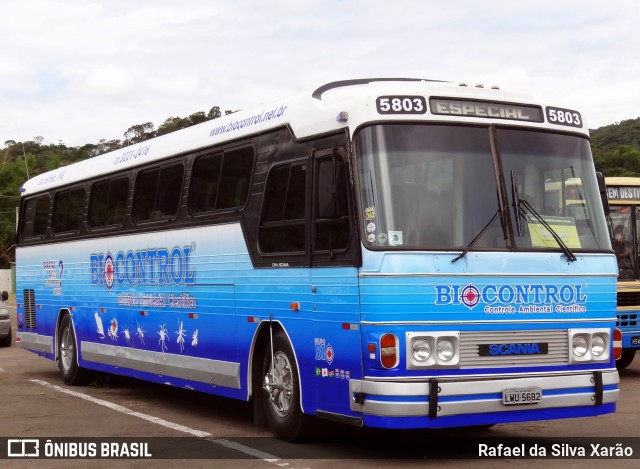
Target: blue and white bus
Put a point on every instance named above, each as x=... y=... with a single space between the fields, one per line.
x=379 y=252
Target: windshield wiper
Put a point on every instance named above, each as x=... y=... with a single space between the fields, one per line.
x=516 y=203
x=519 y=204
x=474 y=240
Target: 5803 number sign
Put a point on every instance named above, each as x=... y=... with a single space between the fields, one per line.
x=559 y=116
x=401 y=104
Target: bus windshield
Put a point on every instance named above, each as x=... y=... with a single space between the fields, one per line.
x=436 y=187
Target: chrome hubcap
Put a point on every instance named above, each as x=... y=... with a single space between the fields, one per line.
x=66 y=349
x=278 y=383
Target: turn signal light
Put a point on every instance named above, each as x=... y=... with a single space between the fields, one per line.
x=389 y=351
x=617 y=344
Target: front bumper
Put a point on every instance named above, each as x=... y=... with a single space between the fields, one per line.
x=444 y=397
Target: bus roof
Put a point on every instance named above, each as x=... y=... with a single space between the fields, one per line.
x=622 y=181
x=331 y=107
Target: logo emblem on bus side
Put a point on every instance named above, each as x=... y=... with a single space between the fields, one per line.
x=109 y=276
x=470 y=296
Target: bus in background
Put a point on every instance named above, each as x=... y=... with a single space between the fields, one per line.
x=564 y=198
x=379 y=252
x=623 y=194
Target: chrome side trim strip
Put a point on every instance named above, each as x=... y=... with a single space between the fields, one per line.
x=35 y=342
x=214 y=372
x=483 y=377
x=484 y=321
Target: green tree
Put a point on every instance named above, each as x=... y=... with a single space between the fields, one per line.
x=139 y=133
x=214 y=113
x=197 y=118
x=172 y=124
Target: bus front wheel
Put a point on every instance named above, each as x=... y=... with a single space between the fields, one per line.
x=70 y=371
x=281 y=391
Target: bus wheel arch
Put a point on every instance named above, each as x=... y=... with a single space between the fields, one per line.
x=276 y=389
x=67 y=352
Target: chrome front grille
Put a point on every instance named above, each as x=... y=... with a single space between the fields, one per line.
x=471 y=342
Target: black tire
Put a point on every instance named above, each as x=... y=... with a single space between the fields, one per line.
x=6 y=342
x=281 y=392
x=626 y=358
x=481 y=428
x=72 y=374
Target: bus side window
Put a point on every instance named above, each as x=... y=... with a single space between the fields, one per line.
x=158 y=192
x=36 y=212
x=331 y=212
x=282 y=228
x=108 y=202
x=221 y=181
x=234 y=178
x=205 y=177
x=68 y=210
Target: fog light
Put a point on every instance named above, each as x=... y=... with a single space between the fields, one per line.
x=580 y=346
x=446 y=350
x=421 y=350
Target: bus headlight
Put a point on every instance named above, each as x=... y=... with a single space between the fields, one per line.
x=598 y=345
x=432 y=349
x=421 y=350
x=446 y=350
x=589 y=345
x=579 y=346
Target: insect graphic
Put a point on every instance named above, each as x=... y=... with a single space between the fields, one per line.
x=164 y=336
x=113 y=329
x=194 y=338
x=181 y=334
x=127 y=335
x=140 y=333
x=99 y=326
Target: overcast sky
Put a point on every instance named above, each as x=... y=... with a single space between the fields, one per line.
x=78 y=71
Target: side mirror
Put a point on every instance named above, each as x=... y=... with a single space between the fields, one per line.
x=602 y=187
x=5 y=296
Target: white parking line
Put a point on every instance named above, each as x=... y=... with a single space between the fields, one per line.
x=165 y=423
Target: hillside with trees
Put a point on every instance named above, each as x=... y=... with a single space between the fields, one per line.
x=616 y=150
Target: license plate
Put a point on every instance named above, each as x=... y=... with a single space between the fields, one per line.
x=517 y=396
x=635 y=340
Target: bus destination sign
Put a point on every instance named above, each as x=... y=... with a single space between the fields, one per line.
x=485 y=109
x=623 y=193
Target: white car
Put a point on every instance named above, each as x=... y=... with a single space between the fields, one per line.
x=5 y=322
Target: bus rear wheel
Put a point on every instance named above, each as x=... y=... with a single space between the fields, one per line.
x=72 y=374
x=626 y=358
x=281 y=392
